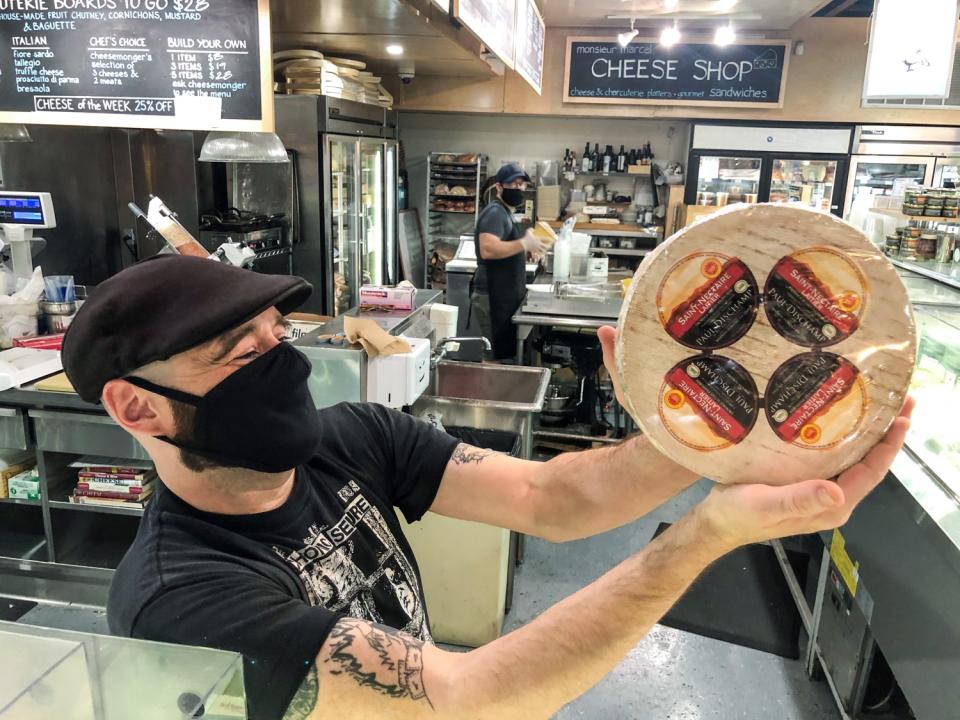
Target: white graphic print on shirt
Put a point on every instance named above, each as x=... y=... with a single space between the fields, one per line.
x=356 y=566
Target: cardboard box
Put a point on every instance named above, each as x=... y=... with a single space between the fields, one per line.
x=396 y=298
x=25 y=486
x=548 y=202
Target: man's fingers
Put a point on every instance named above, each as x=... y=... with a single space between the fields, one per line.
x=908 y=405
x=859 y=480
x=608 y=338
x=807 y=499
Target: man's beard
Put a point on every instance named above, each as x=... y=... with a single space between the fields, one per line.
x=184 y=417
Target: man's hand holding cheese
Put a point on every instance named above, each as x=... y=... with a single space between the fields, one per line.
x=272 y=532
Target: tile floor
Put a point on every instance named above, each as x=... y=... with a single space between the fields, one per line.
x=671 y=674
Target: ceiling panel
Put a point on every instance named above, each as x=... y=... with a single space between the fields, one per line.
x=745 y=14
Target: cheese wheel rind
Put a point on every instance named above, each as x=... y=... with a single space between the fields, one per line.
x=867 y=323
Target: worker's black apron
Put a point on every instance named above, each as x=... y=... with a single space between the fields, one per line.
x=504 y=283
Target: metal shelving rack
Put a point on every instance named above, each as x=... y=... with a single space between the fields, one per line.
x=445 y=226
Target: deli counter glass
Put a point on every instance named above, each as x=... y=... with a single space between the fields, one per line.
x=933 y=438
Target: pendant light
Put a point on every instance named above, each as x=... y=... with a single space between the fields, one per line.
x=243 y=147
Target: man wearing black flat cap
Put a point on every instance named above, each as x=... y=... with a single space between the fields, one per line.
x=502 y=248
x=272 y=531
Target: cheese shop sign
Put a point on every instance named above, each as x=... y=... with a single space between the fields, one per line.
x=598 y=70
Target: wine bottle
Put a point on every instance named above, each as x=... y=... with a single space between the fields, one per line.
x=621 y=160
x=585 y=161
x=608 y=159
x=649 y=152
x=596 y=160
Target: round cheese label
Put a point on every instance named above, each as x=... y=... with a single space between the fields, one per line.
x=709 y=402
x=708 y=301
x=815 y=297
x=815 y=400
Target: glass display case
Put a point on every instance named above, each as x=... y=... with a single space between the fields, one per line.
x=809 y=182
x=728 y=179
x=48 y=673
x=933 y=437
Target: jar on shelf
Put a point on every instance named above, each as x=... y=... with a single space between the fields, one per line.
x=892 y=246
x=927 y=246
x=908 y=247
x=912 y=208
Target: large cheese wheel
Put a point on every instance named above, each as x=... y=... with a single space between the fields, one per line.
x=766 y=343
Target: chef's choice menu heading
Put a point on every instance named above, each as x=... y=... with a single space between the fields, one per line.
x=185 y=64
x=598 y=70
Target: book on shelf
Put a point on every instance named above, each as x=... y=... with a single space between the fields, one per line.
x=139 y=494
x=107 y=502
x=112 y=487
x=119 y=478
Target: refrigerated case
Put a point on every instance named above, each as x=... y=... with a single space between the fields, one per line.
x=736 y=163
x=888 y=158
x=347 y=155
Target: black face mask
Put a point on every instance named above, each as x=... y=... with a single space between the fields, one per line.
x=512 y=196
x=261 y=417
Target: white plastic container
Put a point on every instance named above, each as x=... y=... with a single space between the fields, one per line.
x=579 y=257
x=444 y=321
x=561 y=258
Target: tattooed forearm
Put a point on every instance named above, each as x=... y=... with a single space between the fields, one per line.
x=379 y=658
x=466 y=455
x=305 y=700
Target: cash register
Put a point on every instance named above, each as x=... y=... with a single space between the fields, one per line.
x=20 y=214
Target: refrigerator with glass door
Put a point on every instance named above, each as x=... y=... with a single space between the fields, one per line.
x=747 y=164
x=347 y=154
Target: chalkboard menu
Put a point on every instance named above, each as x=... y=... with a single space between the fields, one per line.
x=493 y=22
x=528 y=60
x=174 y=64
x=598 y=70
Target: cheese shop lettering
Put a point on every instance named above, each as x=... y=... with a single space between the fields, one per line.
x=815 y=400
x=716 y=305
x=709 y=402
x=802 y=306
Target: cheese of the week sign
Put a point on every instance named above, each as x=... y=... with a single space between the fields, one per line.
x=753 y=74
x=167 y=64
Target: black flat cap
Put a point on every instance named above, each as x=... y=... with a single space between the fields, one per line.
x=163 y=306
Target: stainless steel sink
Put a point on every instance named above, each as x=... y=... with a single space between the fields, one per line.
x=487 y=397
x=500 y=385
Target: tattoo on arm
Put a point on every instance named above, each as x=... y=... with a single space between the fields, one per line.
x=305 y=700
x=467 y=455
x=394 y=670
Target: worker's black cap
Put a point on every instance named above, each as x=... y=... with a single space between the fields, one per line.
x=510 y=172
x=163 y=306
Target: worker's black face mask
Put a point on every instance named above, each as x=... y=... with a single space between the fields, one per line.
x=261 y=417
x=512 y=196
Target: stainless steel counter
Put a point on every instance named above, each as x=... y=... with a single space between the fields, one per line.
x=544 y=309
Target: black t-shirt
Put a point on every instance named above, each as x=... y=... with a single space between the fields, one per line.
x=272 y=585
x=497 y=220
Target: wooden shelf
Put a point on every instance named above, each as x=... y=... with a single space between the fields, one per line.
x=890 y=212
x=620 y=229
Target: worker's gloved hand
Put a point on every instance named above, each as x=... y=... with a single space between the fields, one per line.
x=533 y=245
x=738 y=515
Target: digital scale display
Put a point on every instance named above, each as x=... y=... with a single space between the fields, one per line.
x=23 y=210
